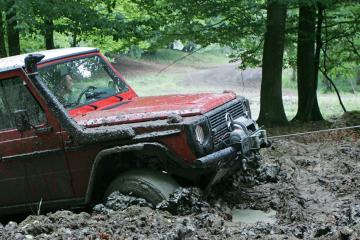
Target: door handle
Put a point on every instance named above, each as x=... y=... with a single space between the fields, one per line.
x=42 y=130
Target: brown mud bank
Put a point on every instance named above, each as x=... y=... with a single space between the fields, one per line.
x=307 y=188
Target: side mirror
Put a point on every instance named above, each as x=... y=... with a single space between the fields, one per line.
x=22 y=121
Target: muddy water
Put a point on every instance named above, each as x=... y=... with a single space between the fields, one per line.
x=306 y=189
x=250 y=216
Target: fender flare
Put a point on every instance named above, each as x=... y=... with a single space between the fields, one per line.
x=122 y=149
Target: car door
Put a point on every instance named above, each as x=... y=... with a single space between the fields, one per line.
x=33 y=166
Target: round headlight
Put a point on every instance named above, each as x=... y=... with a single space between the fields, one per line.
x=199 y=134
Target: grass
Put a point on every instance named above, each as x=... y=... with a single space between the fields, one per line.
x=149 y=84
x=328 y=103
x=330 y=106
x=202 y=58
x=163 y=84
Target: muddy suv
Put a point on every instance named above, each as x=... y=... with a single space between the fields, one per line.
x=72 y=131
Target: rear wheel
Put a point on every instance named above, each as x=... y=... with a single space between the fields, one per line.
x=151 y=185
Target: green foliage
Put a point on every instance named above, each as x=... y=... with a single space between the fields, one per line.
x=341 y=54
x=345 y=83
x=31 y=43
x=140 y=28
x=217 y=21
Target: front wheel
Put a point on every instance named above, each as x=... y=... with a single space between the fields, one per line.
x=151 y=185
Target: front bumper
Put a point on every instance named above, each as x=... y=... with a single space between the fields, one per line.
x=239 y=150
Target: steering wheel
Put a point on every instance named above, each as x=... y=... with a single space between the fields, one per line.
x=87 y=89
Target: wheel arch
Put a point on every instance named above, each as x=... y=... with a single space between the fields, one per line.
x=119 y=155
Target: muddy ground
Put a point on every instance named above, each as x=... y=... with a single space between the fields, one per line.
x=307 y=188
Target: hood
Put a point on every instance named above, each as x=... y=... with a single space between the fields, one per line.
x=153 y=108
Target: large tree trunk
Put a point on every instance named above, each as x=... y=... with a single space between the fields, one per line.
x=49 y=34
x=271 y=105
x=13 y=36
x=307 y=65
x=2 y=37
x=315 y=111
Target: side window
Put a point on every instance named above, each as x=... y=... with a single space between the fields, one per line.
x=15 y=96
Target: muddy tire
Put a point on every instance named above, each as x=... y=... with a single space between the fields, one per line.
x=151 y=185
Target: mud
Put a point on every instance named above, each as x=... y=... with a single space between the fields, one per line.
x=307 y=188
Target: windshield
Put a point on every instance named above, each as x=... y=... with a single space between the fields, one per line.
x=82 y=81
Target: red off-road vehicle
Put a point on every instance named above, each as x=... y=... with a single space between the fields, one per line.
x=72 y=131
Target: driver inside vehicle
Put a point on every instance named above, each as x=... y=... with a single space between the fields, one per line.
x=82 y=81
x=64 y=87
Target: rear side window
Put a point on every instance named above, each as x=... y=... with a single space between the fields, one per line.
x=14 y=95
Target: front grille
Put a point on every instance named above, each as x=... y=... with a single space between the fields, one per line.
x=217 y=120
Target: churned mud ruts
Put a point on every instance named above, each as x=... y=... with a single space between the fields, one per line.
x=307 y=188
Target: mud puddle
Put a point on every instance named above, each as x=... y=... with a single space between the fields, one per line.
x=250 y=216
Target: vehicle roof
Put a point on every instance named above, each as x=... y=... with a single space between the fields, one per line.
x=15 y=62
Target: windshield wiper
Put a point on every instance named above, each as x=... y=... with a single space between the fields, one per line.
x=119 y=97
x=93 y=106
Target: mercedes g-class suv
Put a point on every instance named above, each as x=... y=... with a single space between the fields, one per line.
x=72 y=131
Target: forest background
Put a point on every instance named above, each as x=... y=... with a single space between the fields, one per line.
x=319 y=40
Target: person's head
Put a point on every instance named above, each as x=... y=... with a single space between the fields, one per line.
x=63 y=86
x=64 y=83
x=67 y=83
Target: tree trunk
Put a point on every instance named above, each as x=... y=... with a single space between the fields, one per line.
x=13 y=36
x=293 y=74
x=74 y=42
x=307 y=65
x=3 y=52
x=49 y=34
x=271 y=105
x=315 y=111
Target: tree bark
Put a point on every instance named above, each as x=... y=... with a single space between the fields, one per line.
x=3 y=52
x=315 y=111
x=49 y=34
x=74 y=40
x=13 y=35
x=307 y=65
x=271 y=105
